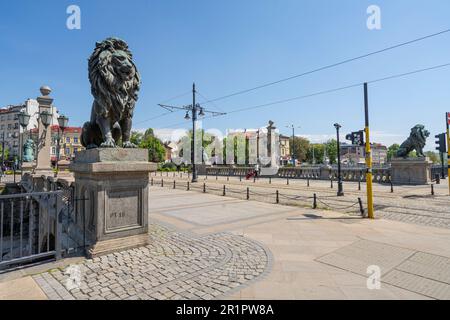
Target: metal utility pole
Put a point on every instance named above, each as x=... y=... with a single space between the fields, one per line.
x=368 y=156
x=447 y=120
x=194 y=122
x=340 y=192
x=293 y=143
x=193 y=109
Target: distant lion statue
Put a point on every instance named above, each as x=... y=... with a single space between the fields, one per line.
x=416 y=141
x=115 y=83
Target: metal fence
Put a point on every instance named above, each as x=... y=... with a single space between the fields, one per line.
x=29 y=227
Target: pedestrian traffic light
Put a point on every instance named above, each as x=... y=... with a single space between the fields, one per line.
x=357 y=137
x=441 y=145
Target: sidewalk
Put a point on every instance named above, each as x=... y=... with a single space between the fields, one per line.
x=273 y=251
x=305 y=247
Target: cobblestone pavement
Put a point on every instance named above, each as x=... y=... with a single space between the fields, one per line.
x=174 y=266
x=410 y=204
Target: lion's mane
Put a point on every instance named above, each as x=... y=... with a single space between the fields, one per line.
x=114 y=97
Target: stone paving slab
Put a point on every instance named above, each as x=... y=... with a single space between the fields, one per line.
x=410 y=204
x=419 y=272
x=174 y=266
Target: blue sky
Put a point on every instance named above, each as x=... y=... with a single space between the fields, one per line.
x=226 y=46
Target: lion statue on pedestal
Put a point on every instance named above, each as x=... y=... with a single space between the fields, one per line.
x=416 y=141
x=115 y=83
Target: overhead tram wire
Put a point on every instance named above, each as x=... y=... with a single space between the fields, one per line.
x=329 y=66
x=337 y=89
x=165 y=113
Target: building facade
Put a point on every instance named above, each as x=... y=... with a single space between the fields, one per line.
x=354 y=154
x=285 y=150
x=11 y=133
x=69 y=143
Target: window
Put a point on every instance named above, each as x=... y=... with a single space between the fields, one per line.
x=67 y=139
x=75 y=150
x=53 y=150
x=75 y=140
x=67 y=151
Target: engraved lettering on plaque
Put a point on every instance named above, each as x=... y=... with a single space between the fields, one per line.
x=124 y=209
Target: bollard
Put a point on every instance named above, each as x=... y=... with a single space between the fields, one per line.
x=151 y=182
x=432 y=189
x=254 y=179
x=240 y=177
x=437 y=176
x=188 y=186
x=162 y=183
x=270 y=180
x=204 y=187
x=287 y=181
x=307 y=182
x=315 y=201
x=392 y=186
x=277 y=196
x=224 y=193
x=174 y=184
x=361 y=208
x=160 y=173
x=167 y=173
x=217 y=176
x=359 y=184
x=248 y=193
x=331 y=180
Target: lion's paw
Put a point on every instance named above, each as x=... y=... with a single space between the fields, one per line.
x=129 y=144
x=109 y=143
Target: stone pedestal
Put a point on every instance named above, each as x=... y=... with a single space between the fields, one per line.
x=412 y=171
x=111 y=186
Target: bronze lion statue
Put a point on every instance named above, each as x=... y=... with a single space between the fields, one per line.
x=115 y=83
x=416 y=141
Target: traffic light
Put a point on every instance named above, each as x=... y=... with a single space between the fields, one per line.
x=441 y=144
x=357 y=137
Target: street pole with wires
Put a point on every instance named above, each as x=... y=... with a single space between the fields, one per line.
x=196 y=110
x=293 y=143
x=368 y=156
x=447 y=121
x=194 y=122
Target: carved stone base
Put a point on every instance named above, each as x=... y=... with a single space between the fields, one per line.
x=411 y=171
x=119 y=244
x=112 y=185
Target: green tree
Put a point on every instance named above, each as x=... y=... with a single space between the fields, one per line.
x=434 y=156
x=6 y=154
x=392 y=151
x=316 y=152
x=136 y=137
x=147 y=140
x=156 y=150
x=331 y=148
x=301 y=147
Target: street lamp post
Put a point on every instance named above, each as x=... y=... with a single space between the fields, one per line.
x=340 y=192
x=194 y=108
x=194 y=123
x=63 y=122
x=293 y=143
x=24 y=120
